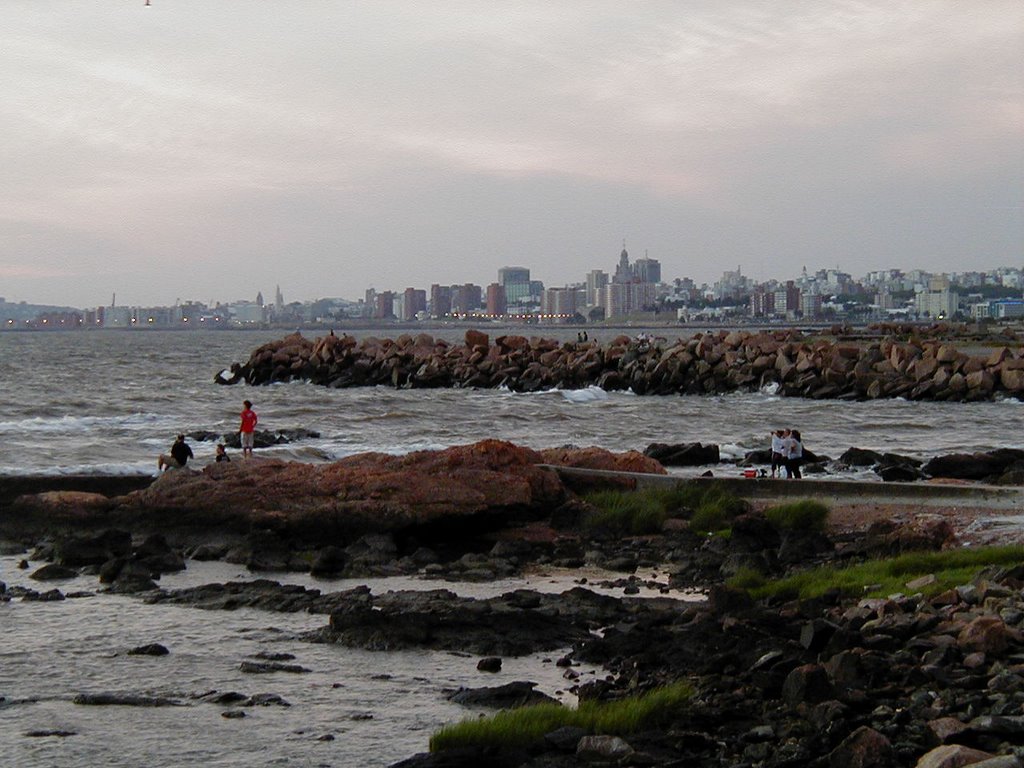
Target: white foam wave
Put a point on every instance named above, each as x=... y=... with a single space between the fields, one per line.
x=133 y=469
x=82 y=424
x=591 y=394
x=731 y=451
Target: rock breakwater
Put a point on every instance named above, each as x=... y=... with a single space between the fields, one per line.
x=706 y=363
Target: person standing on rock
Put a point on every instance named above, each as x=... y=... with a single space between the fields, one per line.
x=179 y=455
x=795 y=455
x=248 y=428
x=778 y=457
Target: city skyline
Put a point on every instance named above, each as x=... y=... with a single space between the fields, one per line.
x=189 y=149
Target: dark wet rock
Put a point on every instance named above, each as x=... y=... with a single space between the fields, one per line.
x=208 y=552
x=466 y=757
x=23 y=565
x=227 y=697
x=79 y=550
x=330 y=561
x=53 y=572
x=233 y=714
x=265 y=700
x=565 y=739
x=269 y=656
x=266 y=667
x=156 y=555
x=132 y=578
x=124 y=700
x=203 y=436
x=263 y=438
x=683 y=454
x=603 y=748
x=50 y=596
x=508 y=696
x=860 y=457
x=973 y=466
x=864 y=748
x=441 y=620
x=150 y=649
x=899 y=473
x=263 y=550
x=489 y=664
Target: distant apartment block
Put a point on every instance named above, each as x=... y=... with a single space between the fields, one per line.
x=935 y=299
x=558 y=304
x=497 y=305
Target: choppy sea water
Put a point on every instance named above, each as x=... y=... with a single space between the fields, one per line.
x=110 y=402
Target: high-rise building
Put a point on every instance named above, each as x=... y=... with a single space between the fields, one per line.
x=466 y=298
x=440 y=300
x=516 y=282
x=496 y=304
x=415 y=302
x=647 y=270
x=558 y=303
x=384 y=305
x=596 y=280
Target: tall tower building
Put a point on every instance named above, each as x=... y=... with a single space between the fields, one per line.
x=596 y=280
x=623 y=272
x=516 y=282
x=496 y=305
x=647 y=270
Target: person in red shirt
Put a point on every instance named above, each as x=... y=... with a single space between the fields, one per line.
x=248 y=427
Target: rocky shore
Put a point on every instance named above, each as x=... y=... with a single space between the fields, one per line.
x=904 y=680
x=706 y=363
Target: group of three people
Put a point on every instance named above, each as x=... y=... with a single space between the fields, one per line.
x=181 y=451
x=787 y=453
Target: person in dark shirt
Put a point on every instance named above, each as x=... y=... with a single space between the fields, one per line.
x=222 y=454
x=179 y=456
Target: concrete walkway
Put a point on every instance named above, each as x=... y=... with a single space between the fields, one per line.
x=995 y=497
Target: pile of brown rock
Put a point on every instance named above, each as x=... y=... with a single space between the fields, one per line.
x=706 y=363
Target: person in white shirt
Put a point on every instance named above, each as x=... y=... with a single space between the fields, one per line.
x=778 y=455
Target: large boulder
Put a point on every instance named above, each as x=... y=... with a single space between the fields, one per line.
x=683 y=454
x=599 y=458
x=973 y=466
x=492 y=481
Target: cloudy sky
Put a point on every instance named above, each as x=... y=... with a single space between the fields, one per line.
x=208 y=149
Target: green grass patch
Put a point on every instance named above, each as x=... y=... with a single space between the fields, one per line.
x=877 y=578
x=522 y=726
x=626 y=512
x=804 y=515
x=708 y=507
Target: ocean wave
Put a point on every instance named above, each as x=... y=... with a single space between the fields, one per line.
x=81 y=424
x=119 y=469
x=731 y=451
x=590 y=394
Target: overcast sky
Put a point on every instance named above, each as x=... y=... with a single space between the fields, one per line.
x=209 y=149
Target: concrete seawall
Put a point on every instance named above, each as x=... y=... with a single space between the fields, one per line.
x=829 y=491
